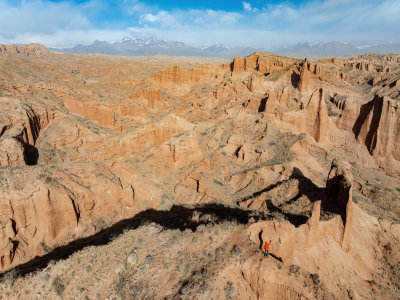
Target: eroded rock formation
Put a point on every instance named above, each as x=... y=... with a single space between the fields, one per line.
x=21 y=124
x=378 y=126
x=339 y=189
x=179 y=167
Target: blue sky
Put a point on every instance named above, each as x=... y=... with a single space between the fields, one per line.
x=255 y=23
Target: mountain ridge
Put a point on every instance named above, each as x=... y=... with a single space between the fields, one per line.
x=149 y=46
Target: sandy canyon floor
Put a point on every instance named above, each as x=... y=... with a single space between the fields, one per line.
x=162 y=177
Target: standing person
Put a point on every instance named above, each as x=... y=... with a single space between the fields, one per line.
x=266 y=248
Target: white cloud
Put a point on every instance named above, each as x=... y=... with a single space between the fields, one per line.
x=227 y=36
x=149 y=18
x=247 y=7
x=163 y=18
x=135 y=6
x=65 y=24
x=40 y=17
x=66 y=38
x=191 y=18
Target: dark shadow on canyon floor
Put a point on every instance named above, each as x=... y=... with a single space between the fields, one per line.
x=177 y=218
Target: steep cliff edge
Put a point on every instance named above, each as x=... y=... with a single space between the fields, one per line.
x=378 y=126
x=313 y=119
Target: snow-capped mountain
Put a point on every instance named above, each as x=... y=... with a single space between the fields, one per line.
x=138 y=46
x=334 y=49
x=214 y=48
x=147 y=46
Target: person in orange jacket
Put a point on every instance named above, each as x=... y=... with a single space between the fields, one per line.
x=266 y=248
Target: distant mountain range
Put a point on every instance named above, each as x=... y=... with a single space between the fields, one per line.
x=148 y=46
x=334 y=49
x=152 y=46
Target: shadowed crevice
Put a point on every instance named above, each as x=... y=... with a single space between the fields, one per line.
x=31 y=154
x=4 y=129
x=34 y=123
x=263 y=104
x=295 y=78
x=260 y=239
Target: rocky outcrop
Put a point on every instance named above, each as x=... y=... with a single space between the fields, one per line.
x=378 y=126
x=21 y=124
x=264 y=63
x=313 y=119
x=177 y=76
x=152 y=96
x=366 y=66
x=309 y=72
x=305 y=77
x=151 y=135
x=44 y=209
x=29 y=49
x=12 y=153
x=111 y=115
x=339 y=190
x=317 y=70
x=375 y=125
x=331 y=61
x=343 y=243
x=103 y=114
